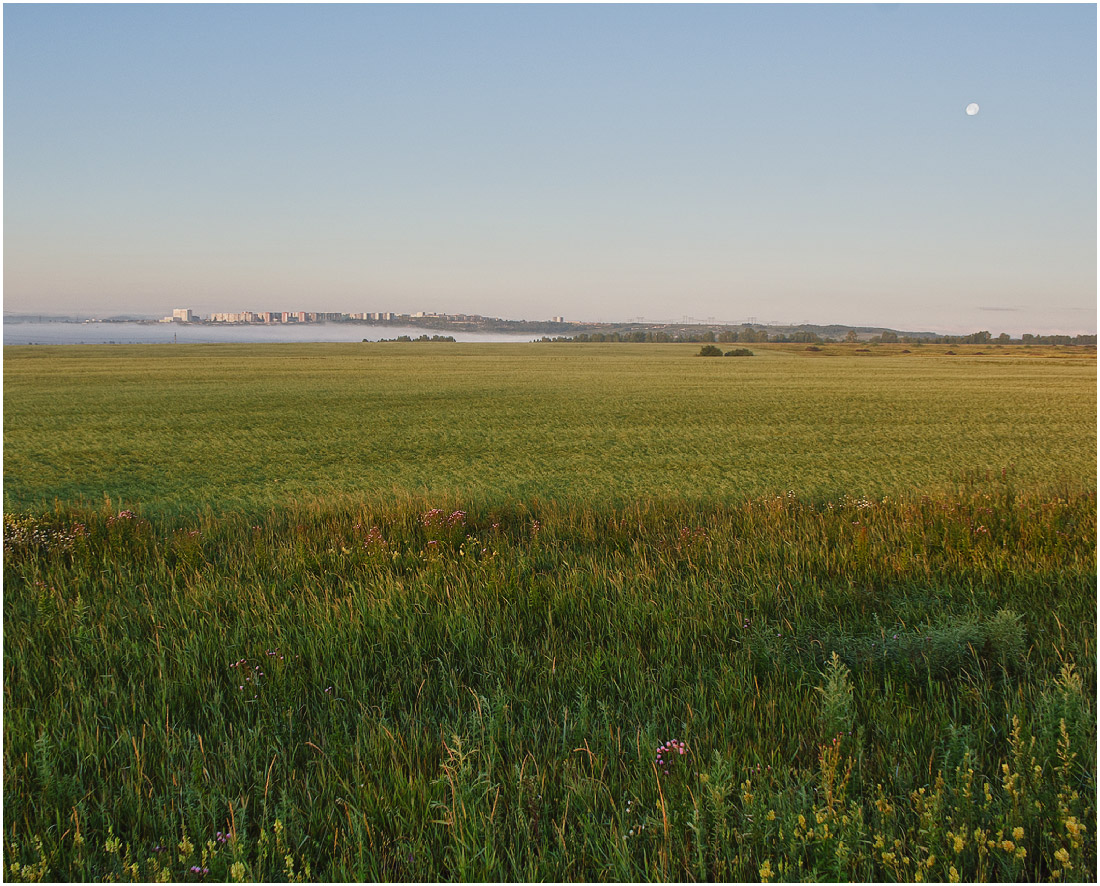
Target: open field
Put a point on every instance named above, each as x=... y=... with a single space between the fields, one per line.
x=227 y=427
x=549 y=612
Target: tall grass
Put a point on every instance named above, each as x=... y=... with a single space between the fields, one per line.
x=778 y=688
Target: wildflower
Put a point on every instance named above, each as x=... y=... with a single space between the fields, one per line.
x=186 y=848
x=766 y=871
x=1017 y=834
x=1074 y=829
x=435 y=515
x=1008 y=845
x=1063 y=857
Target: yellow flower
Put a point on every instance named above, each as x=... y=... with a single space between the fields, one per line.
x=1017 y=834
x=186 y=848
x=960 y=842
x=766 y=871
x=771 y=815
x=953 y=875
x=1020 y=853
x=1008 y=845
x=1062 y=856
x=879 y=842
x=113 y=844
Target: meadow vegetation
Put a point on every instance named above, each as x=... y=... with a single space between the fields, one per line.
x=186 y=427
x=509 y=672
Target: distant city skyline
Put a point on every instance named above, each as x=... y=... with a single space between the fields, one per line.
x=807 y=164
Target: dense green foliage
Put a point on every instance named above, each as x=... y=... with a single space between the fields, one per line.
x=184 y=427
x=529 y=614
x=404 y=692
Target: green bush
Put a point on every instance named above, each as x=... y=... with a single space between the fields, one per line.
x=709 y=351
x=739 y=352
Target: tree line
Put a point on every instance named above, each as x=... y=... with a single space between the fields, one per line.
x=749 y=334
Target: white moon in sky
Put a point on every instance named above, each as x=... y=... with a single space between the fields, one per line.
x=972 y=109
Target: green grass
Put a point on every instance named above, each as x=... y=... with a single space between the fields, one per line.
x=455 y=665
x=187 y=427
x=484 y=700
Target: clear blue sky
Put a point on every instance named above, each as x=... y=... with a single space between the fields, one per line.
x=790 y=163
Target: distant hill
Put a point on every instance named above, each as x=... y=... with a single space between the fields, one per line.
x=24 y=317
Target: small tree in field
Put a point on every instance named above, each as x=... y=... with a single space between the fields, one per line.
x=709 y=351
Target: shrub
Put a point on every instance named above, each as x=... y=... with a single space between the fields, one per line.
x=739 y=352
x=1005 y=635
x=709 y=351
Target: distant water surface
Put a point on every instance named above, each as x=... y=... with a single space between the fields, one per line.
x=156 y=333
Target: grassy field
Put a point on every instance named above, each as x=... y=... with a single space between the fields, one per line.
x=251 y=427
x=551 y=612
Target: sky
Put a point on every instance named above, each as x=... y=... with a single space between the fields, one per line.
x=776 y=163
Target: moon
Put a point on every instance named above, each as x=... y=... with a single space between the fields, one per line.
x=972 y=109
